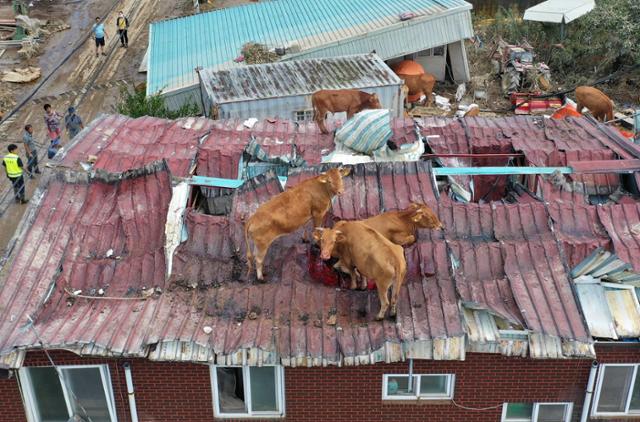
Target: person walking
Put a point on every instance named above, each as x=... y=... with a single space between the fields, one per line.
x=13 y=167
x=122 y=23
x=52 y=120
x=99 y=35
x=30 y=151
x=73 y=123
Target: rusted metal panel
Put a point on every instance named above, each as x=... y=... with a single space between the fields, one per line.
x=121 y=143
x=622 y=223
x=281 y=89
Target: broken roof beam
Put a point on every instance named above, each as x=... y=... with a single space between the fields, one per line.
x=218 y=182
x=605 y=166
x=497 y=171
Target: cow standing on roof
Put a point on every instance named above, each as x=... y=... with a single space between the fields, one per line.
x=363 y=250
x=401 y=226
x=288 y=211
x=350 y=101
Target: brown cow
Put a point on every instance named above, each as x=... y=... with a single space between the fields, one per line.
x=288 y=211
x=350 y=101
x=400 y=226
x=420 y=84
x=596 y=101
x=364 y=250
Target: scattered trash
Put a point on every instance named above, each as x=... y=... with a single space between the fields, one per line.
x=443 y=103
x=468 y=111
x=109 y=253
x=23 y=75
x=147 y=292
x=406 y=16
x=207 y=329
x=77 y=292
x=460 y=92
x=101 y=292
x=250 y=123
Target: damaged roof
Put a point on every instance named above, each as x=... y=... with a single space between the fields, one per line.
x=299 y=77
x=116 y=263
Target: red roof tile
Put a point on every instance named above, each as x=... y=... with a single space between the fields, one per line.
x=121 y=143
x=510 y=259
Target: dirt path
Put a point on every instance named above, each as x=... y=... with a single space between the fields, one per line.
x=91 y=84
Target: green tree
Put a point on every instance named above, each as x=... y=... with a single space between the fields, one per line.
x=138 y=104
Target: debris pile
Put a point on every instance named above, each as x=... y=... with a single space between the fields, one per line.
x=24 y=75
x=255 y=53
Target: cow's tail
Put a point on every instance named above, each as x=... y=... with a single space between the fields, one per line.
x=249 y=247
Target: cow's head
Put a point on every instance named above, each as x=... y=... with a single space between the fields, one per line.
x=333 y=178
x=327 y=238
x=373 y=101
x=424 y=217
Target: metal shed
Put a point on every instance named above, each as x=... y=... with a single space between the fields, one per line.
x=306 y=29
x=283 y=89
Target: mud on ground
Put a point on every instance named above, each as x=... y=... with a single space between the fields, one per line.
x=93 y=84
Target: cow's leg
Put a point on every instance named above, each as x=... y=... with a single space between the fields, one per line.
x=399 y=273
x=402 y=239
x=579 y=107
x=261 y=252
x=320 y=118
x=383 y=294
x=348 y=269
x=364 y=281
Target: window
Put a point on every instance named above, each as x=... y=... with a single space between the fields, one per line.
x=86 y=393
x=617 y=391
x=303 y=115
x=421 y=387
x=246 y=391
x=537 y=412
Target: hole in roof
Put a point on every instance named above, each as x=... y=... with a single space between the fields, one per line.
x=485 y=188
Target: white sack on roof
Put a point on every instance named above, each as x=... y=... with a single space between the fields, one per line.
x=367 y=131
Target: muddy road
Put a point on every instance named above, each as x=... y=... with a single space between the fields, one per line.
x=91 y=84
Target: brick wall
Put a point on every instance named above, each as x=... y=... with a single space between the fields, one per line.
x=181 y=392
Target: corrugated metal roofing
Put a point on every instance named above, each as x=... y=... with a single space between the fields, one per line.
x=215 y=39
x=121 y=143
x=607 y=288
x=499 y=273
x=557 y=11
x=298 y=77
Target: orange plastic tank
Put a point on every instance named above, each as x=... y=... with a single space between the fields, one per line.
x=408 y=67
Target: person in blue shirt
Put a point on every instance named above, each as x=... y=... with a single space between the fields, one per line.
x=100 y=35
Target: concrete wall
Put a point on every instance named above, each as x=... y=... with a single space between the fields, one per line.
x=181 y=392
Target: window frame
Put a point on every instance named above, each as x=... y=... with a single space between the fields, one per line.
x=600 y=380
x=280 y=396
x=307 y=115
x=451 y=382
x=536 y=410
x=26 y=384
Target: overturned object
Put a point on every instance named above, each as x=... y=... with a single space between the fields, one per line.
x=21 y=76
x=367 y=131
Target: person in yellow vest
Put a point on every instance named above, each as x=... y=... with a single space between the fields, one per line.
x=123 y=25
x=13 y=166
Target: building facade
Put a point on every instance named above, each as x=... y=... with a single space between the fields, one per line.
x=484 y=387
